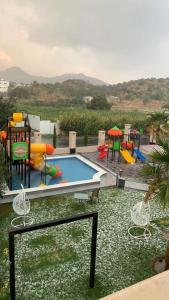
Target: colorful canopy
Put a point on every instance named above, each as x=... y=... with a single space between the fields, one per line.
x=115 y=131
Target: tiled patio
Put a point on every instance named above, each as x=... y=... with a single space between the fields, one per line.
x=128 y=171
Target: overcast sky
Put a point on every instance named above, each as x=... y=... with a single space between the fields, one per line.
x=114 y=40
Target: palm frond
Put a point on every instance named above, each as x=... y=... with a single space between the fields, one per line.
x=164 y=193
x=157 y=123
x=161 y=156
x=152 y=190
x=150 y=170
x=158 y=171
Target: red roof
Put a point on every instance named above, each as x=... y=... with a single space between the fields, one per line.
x=115 y=131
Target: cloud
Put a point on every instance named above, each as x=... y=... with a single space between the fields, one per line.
x=115 y=40
x=4 y=57
x=101 y=25
x=5 y=60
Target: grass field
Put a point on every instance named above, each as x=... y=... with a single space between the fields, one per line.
x=83 y=120
x=54 y=263
x=54 y=112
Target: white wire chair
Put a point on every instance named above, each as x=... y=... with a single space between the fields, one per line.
x=21 y=206
x=140 y=215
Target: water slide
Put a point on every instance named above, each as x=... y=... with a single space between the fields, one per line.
x=42 y=148
x=126 y=155
x=37 y=159
x=37 y=151
x=139 y=154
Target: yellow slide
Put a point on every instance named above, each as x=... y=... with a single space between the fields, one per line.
x=38 y=161
x=37 y=151
x=126 y=155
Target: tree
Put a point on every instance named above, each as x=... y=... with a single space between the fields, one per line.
x=2 y=172
x=54 y=136
x=7 y=107
x=157 y=123
x=99 y=102
x=158 y=171
x=20 y=92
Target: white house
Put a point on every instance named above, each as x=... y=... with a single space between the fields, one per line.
x=4 y=86
x=113 y=99
x=87 y=99
x=47 y=127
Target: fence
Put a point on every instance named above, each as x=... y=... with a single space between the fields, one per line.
x=63 y=141
x=12 y=233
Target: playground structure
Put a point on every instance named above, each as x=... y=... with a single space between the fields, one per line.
x=37 y=160
x=21 y=155
x=122 y=145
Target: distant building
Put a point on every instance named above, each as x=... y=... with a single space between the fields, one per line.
x=113 y=99
x=4 y=86
x=87 y=99
x=22 y=84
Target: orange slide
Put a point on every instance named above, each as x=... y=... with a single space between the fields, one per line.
x=42 y=148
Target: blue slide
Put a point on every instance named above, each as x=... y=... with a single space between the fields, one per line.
x=139 y=154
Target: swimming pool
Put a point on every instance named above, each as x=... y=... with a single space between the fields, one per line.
x=75 y=168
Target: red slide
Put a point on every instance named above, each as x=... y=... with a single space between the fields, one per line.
x=102 y=151
x=102 y=155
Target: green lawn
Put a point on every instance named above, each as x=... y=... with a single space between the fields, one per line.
x=54 y=263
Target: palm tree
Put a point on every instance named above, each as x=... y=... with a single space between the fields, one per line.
x=158 y=172
x=157 y=124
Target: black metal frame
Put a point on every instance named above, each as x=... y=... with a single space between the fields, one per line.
x=12 y=233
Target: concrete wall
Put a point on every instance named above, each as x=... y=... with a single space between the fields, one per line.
x=34 y=122
x=46 y=127
x=154 y=288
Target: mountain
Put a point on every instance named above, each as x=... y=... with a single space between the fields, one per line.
x=80 y=76
x=16 y=74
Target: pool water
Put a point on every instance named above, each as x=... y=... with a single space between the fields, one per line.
x=73 y=170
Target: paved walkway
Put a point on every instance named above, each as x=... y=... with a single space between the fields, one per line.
x=136 y=185
x=147 y=149
x=87 y=149
x=129 y=172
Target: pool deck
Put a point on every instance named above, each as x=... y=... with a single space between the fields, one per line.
x=107 y=180
x=129 y=172
x=102 y=180
x=80 y=150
